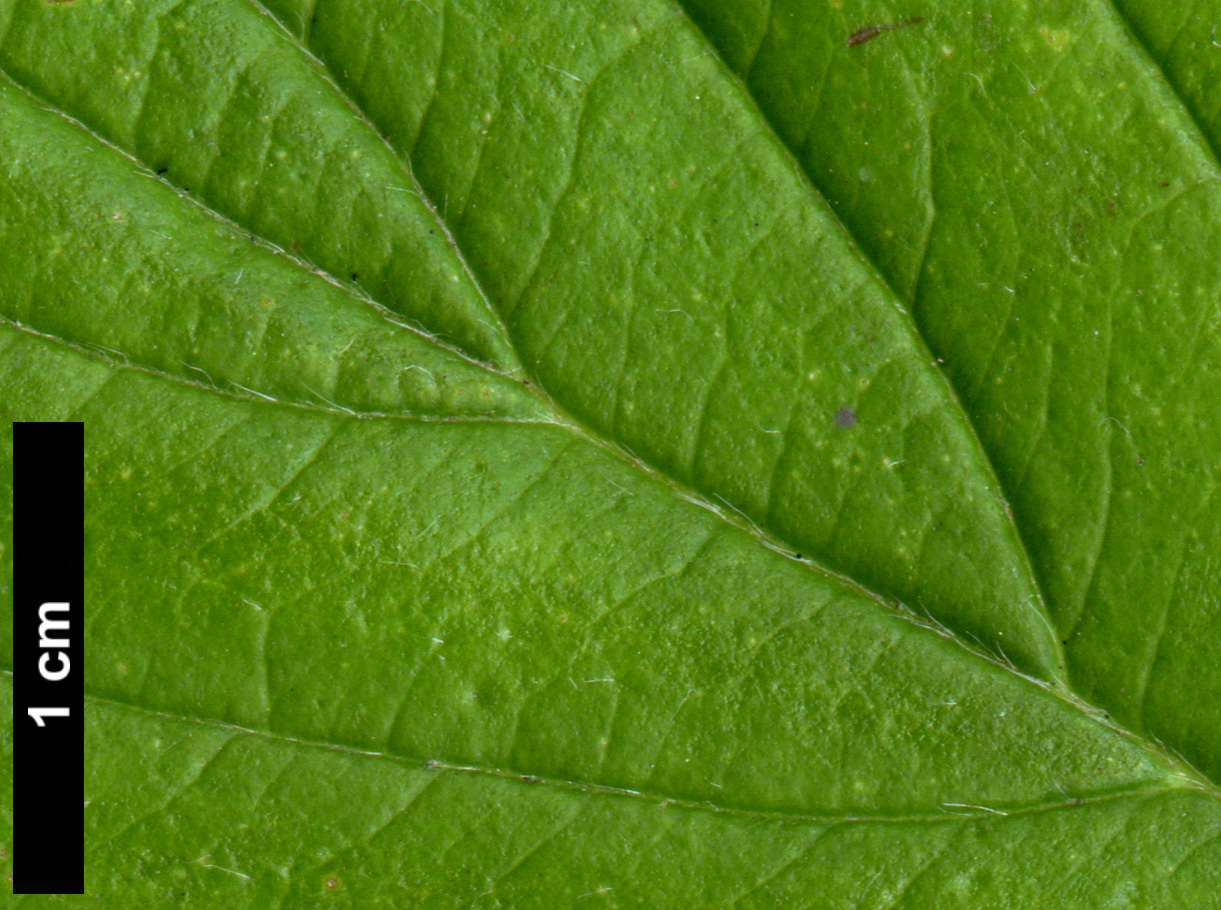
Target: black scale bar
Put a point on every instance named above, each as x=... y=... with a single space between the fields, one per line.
x=48 y=658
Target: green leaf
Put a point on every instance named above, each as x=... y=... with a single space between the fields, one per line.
x=630 y=453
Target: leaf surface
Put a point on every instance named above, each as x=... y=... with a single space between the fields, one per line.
x=629 y=453
x=1067 y=190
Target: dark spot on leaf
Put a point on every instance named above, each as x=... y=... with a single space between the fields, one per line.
x=162 y=170
x=355 y=276
x=332 y=882
x=845 y=417
x=865 y=32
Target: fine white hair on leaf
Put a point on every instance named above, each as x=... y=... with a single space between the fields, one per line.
x=972 y=806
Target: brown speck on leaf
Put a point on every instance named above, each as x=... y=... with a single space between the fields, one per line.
x=845 y=417
x=865 y=32
x=332 y=882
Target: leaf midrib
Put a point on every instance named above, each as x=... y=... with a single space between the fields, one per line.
x=1171 y=784
x=249 y=396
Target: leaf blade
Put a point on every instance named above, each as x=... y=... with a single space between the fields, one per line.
x=1067 y=191
x=391 y=581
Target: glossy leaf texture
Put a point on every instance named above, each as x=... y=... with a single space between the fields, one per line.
x=630 y=453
